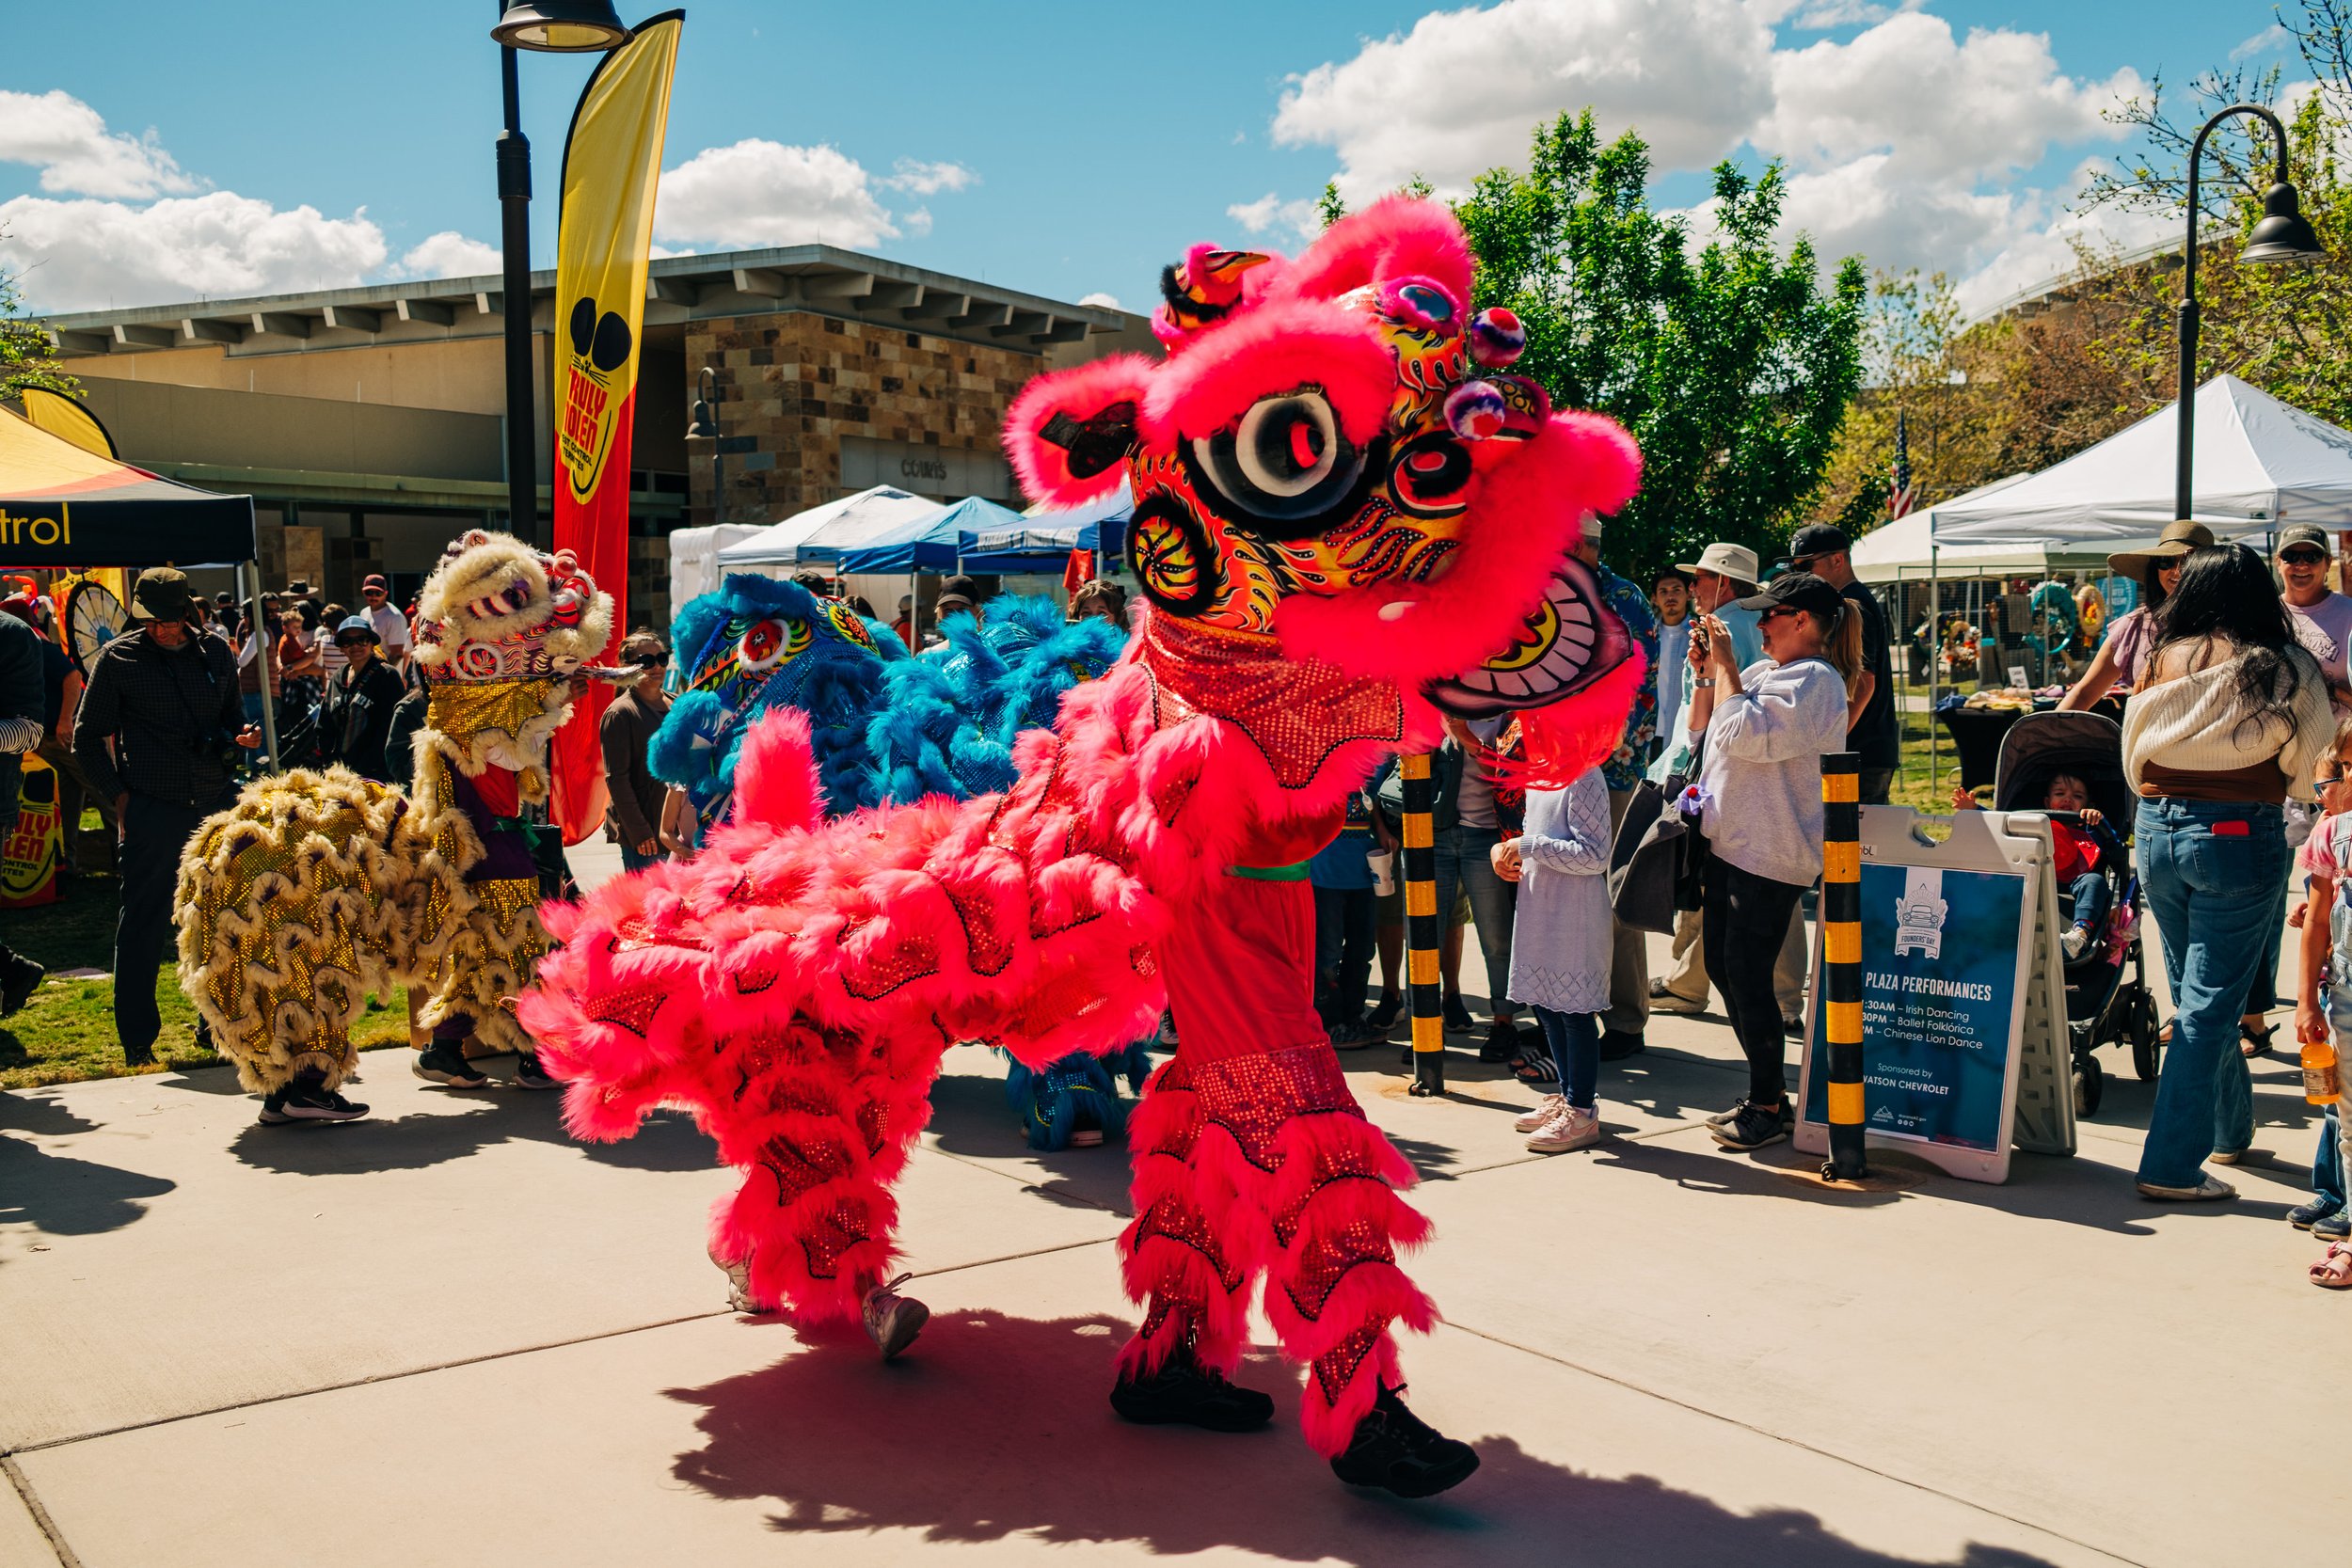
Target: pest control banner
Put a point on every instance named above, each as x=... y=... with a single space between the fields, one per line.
x=611 y=166
x=1939 y=973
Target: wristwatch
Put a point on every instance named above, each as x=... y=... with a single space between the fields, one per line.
x=1702 y=680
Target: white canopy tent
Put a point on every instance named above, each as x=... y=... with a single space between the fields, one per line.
x=695 y=558
x=819 y=535
x=2260 y=463
x=1904 y=550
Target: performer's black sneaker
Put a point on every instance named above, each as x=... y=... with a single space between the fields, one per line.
x=1396 y=1449
x=446 y=1063
x=1184 y=1393
x=17 y=983
x=309 y=1103
x=529 y=1074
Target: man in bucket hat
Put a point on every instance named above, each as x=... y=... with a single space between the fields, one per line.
x=158 y=733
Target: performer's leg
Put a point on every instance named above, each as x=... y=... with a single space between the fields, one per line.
x=1179 y=1257
x=823 y=1133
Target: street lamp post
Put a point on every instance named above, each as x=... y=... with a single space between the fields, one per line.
x=2282 y=236
x=705 y=427
x=552 y=27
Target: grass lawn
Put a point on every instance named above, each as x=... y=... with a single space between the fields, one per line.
x=1912 y=785
x=67 y=1031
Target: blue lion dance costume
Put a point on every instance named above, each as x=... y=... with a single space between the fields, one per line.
x=887 y=728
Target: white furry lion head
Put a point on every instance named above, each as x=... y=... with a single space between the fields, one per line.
x=496 y=609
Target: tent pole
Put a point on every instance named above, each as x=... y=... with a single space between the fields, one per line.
x=251 y=572
x=1935 y=649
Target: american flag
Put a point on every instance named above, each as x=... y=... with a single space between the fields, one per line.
x=1904 y=495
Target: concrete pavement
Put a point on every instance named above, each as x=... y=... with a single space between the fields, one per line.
x=449 y=1335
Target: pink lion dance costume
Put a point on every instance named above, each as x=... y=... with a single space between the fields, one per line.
x=1346 y=519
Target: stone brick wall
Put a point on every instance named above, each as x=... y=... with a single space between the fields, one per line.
x=797 y=384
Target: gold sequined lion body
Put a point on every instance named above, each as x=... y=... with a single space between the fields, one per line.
x=317 y=889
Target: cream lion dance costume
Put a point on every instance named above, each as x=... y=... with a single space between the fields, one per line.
x=317 y=889
x=1347 y=520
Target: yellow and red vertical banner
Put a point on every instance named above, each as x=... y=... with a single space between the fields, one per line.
x=611 y=165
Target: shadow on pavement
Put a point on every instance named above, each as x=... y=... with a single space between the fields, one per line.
x=38 y=1113
x=997 y=1428
x=66 y=1196
x=668 y=1141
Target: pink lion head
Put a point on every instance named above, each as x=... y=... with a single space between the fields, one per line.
x=1333 y=456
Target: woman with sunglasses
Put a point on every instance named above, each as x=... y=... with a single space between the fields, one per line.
x=2322 y=617
x=634 y=798
x=2122 y=658
x=1764 y=731
x=2224 y=729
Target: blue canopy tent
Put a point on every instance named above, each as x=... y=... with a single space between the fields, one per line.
x=1040 y=539
x=929 y=543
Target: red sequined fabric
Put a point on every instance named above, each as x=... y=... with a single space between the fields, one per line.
x=1296 y=712
x=1254 y=1097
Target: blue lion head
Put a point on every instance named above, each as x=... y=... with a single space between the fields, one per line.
x=757 y=644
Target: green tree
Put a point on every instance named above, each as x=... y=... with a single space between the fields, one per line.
x=1732 y=364
x=2286 y=329
x=26 y=356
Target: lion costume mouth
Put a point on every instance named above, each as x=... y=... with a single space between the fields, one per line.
x=1569 y=641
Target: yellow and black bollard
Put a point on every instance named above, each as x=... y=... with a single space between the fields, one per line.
x=1422 y=931
x=1841 y=961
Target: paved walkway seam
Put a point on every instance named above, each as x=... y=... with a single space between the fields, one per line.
x=47 y=1525
x=1632 y=1386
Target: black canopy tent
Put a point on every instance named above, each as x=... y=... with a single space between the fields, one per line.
x=63 y=508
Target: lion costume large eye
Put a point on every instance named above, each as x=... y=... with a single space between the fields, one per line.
x=767 y=643
x=1284 y=460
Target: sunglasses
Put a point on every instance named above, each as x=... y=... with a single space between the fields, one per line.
x=2327 y=779
x=1774 y=613
x=2301 y=558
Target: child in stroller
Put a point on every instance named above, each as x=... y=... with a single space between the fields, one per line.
x=2077 y=852
x=2070 y=766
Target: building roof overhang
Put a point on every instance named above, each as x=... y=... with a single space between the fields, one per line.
x=817 y=278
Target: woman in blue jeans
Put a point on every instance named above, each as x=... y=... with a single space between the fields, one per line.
x=2223 y=731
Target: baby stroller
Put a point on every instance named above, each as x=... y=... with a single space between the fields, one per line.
x=2101 y=1005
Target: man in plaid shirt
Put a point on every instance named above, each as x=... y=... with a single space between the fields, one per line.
x=166 y=696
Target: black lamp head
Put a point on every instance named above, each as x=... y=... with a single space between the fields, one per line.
x=704 y=426
x=560 y=27
x=2283 y=235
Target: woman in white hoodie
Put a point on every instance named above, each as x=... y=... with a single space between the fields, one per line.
x=2224 y=730
x=1766 y=729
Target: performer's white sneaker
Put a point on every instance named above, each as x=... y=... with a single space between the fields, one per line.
x=893 y=1320
x=739 y=1285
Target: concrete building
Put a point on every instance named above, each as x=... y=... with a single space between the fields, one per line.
x=368 y=424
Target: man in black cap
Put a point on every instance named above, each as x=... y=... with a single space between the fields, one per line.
x=166 y=697
x=1824 y=549
x=355 y=717
x=2322 y=617
x=958 y=595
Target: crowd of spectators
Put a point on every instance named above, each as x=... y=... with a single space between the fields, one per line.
x=2237 y=736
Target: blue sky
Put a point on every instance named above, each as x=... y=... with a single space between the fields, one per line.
x=1065 y=148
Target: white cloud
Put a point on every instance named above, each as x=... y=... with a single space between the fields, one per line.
x=763 y=192
x=1270 y=212
x=2047 y=251
x=1942 y=108
x=67 y=140
x=918 y=178
x=1906 y=143
x=89 y=255
x=1821 y=15
x=450 y=254
x=1104 y=301
x=1460 y=92
x=2269 y=39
